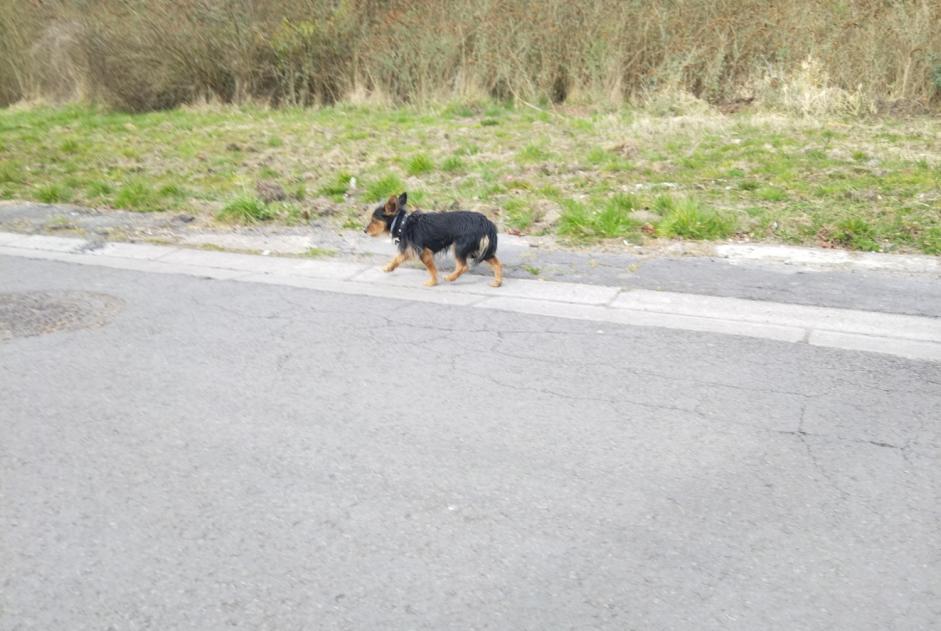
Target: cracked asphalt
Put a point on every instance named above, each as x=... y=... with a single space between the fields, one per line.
x=224 y=454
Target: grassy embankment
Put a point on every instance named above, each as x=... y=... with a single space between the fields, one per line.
x=580 y=173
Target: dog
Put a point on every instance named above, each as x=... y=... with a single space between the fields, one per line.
x=425 y=234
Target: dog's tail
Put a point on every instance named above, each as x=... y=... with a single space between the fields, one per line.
x=487 y=246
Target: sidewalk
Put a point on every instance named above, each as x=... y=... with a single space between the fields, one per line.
x=908 y=336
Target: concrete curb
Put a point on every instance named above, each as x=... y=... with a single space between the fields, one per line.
x=906 y=336
x=817 y=259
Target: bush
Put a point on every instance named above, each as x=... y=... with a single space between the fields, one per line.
x=803 y=55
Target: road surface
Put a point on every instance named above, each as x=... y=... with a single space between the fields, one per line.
x=186 y=453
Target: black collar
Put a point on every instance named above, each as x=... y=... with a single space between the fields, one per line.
x=398 y=225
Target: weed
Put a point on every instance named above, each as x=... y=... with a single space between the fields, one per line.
x=519 y=214
x=467 y=150
x=59 y=222
x=389 y=184
x=607 y=160
x=316 y=253
x=930 y=242
x=171 y=190
x=338 y=187
x=289 y=212
x=598 y=156
x=453 y=164
x=663 y=204
x=575 y=220
x=70 y=146
x=138 y=195
x=535 y=271
x=458 y=110
x=772 y=194
x=97 y=188
x=53 y=194
x=855 y=233
x=245 y=210
x=532 y=153
x=689 y=220
x=612 y=220
x=11 y=172
x=419 y=165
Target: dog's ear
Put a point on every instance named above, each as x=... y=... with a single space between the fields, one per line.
x=402 y=199
x=392 y=206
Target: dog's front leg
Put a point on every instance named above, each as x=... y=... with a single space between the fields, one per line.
x=394 y=263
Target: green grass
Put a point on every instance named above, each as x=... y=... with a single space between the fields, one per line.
x=11 y=172
x=453 y=164
x=336 y=188
x=686 y=218
x=140 y=196
x=532 y=153
x=857 y=184
x=419 y=165
x=519 y=214
x=606 y=160
x=316 y=253
x=772 y=195
x=384 y=187
x=70 y=146
x=855 y=233
x=53 y=194
x=245 y=210
x=98 y=189
x=930 y=242
x=607 y=219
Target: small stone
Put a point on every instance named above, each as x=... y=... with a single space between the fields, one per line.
x=185 y=218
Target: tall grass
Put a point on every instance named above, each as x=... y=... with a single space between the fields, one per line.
x=854 y=55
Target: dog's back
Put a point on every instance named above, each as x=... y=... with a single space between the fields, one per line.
x=472 y=234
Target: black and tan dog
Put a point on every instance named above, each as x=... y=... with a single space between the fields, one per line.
x=425 y=234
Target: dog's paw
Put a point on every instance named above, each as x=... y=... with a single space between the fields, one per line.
x=495 y=283
x=388 y=268
x=431 y=282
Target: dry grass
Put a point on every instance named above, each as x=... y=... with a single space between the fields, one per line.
x=852 y=56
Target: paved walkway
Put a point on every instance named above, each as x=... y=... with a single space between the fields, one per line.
x=914 y=337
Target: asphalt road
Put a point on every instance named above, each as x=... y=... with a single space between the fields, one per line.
x=209 y=454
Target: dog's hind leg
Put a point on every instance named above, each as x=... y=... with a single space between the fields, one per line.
x=428 y=258
x=394 y=263
x=497 y=271
x=460 y=266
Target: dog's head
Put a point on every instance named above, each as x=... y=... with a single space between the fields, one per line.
x=380 y=222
